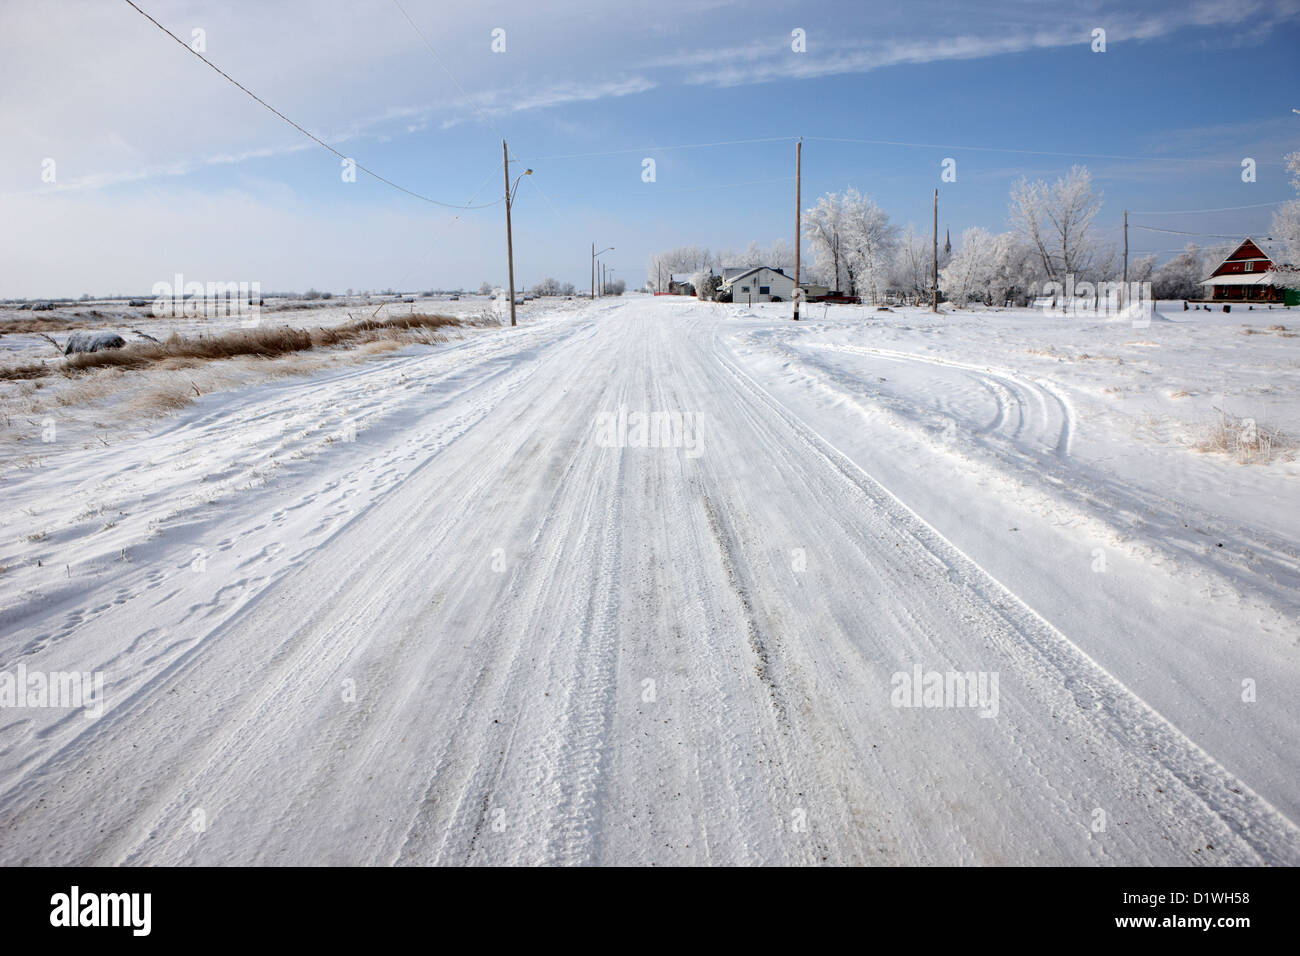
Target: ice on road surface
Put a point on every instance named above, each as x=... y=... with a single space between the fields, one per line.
x=651 y=582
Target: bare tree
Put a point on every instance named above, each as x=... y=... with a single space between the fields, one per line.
x=823 y=227
x=913 y=265
x=692 y=259
x=870 y=241
x=1180 y=277
x=1286 y=226
x=1056 y=221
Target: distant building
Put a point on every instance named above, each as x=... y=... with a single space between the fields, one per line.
x=681 y=283
x=1250 y=274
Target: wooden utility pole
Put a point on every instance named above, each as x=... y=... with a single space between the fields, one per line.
x=935 y=306
x=1124 y=291
x=510 y=242
x=798 y=201
x=593 y=271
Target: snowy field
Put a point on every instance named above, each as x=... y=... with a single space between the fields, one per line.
x=450 y=604
x=93 y=409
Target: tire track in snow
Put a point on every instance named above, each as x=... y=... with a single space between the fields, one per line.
x=1182 y=529
x=1122 y=715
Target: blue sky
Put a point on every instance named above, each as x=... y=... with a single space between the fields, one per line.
x=163 y=167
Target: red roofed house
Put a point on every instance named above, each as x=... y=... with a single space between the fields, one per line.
x=1250 y=274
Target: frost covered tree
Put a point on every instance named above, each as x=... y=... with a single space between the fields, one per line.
x=913 y=268
x=1180 y=277
x=707 y=285
x=971 y=271
x=693 y=259
x=1056 y=221
x=1140 y=270
x=869 y=244
x=655 y=273
x=990 y=268
x=1286 y=230
x=778 y=255
x=823 y=227
x=1286 y=225
x=1020 y=271
x=913 y=265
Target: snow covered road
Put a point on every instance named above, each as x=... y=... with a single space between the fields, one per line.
x=484 y=632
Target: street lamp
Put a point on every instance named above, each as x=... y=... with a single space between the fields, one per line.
x=594 y=255
x=515 y=188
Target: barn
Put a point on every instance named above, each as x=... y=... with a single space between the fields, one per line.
x=1250 y=274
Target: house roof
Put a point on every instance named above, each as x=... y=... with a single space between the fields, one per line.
x=728 y=280
x=1244 y=278
x=1271 y=248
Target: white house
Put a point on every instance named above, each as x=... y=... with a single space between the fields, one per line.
x=760 y=284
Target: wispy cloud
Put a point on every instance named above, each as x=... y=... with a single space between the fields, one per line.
x=833 y=56
x=103 y=180
x=517 y=100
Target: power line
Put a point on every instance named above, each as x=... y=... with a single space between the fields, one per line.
x=451 y=222
x=442 y=63
x=446 y=69
x=1030 y=152
x=1180 y=232
x=314 y=138
x=1177 y=212
x=476 y=108
x=532 y=180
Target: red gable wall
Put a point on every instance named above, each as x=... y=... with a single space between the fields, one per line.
x=1235 y=263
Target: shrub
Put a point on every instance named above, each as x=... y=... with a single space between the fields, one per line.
x=1246 y=440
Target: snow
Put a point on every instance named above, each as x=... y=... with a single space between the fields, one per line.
x=417 y=610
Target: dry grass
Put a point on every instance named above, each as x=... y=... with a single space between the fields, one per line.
x=173 y=374
x=1246 y=440
x=20 y=373
x=187 y=351
x=167 y=397
x=18 y=326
